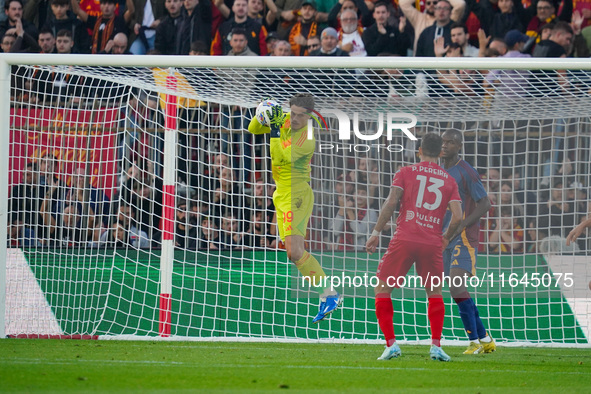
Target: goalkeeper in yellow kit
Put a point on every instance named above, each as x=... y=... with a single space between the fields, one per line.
x=291 y=153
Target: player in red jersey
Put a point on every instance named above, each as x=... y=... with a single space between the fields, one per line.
x=425 y=191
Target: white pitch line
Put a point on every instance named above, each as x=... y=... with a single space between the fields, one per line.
x=35 y=361
x=241 y=348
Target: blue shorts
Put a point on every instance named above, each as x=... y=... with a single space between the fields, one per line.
x=460 y=254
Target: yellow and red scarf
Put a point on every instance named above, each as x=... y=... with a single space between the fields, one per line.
x=106 y=34
x=296 y=31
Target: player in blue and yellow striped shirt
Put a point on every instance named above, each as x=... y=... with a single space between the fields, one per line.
x=459 y=258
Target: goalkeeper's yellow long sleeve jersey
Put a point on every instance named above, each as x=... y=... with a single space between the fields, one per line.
x=291 y=153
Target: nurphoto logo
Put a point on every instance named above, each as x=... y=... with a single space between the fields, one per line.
x=395 y=122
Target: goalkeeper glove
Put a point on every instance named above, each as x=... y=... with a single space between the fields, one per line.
x=276 y=118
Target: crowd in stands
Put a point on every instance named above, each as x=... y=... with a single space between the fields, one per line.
x=220 y=213
x=342 y=28
x=520 y=219
x=51 y=209
x=540 y=28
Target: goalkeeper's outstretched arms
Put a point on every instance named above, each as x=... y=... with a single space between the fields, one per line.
x=275 y=117
x=256 y=128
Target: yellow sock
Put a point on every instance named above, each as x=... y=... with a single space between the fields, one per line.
x=310 y=268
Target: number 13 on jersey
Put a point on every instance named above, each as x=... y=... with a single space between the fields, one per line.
x=434 y=186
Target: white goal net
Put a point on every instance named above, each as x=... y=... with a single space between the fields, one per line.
x=139 y=204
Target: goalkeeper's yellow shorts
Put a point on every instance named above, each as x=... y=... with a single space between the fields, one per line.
x=294 y=207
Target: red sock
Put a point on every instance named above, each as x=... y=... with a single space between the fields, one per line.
x=385 y=315
x=436 y=312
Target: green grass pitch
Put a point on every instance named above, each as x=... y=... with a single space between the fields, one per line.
x=108 y=366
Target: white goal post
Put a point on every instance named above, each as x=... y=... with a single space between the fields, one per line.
x=158 y=125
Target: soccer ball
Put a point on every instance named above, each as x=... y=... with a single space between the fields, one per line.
x=263 y=111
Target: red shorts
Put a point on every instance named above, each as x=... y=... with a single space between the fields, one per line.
x=401 y=255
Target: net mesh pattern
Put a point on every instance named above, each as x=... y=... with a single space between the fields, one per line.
x=86 y=199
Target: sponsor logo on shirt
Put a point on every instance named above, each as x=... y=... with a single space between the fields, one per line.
x=410 y=215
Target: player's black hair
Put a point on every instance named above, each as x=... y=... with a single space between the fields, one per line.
x=199 y=47
x=557 y=183
x=562 y=26
x=497 y=39
x=459 y=25
x=361 y=188
x=456 y=135
x=239 y=31
x=380 y=4
x=60 y=2
x=7 y=3
x=547 y=26
x=181 y=201
x=64 y=33
x=507 y=211
x=304 y=100
x=431 y=144
x=13 y=35
x=46 y=30
x=551 y=2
